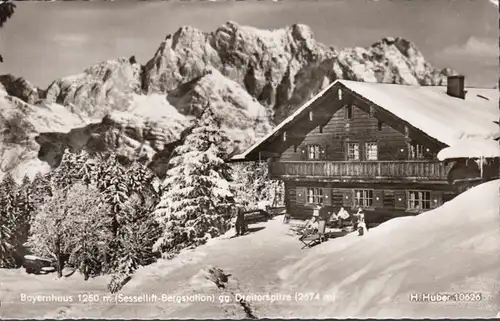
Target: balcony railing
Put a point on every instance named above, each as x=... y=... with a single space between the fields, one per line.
x=405 y=170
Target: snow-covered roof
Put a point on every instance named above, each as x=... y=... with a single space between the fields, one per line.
x=428 y=108
x=432 y=110
x=471 y=148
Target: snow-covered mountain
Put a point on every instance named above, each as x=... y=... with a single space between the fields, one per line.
x=252 y=78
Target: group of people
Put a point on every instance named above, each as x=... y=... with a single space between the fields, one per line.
x=316 y=223
x=319 y=219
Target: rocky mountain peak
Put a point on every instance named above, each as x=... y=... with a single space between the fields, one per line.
x=20 y=88
x=100 y=88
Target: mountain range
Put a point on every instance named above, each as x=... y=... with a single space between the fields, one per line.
x=251 y=78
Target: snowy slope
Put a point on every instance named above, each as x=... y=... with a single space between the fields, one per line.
x=451 y=249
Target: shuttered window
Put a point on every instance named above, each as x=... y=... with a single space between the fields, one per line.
x=352 y=151
x=371 y=151
x=313 y=152
x=315 y=195
x=363 y=198
x=417 y=151
x=418 y=200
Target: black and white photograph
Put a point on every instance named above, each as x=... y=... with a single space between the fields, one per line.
x=259 y=159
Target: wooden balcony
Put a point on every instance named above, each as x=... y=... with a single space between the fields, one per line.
x=419 y=170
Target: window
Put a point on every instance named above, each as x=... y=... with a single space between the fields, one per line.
x=352 y=151
x=315 y=195
x=363 y=198
x=380 y=125
x=419 y=200
x=284 y=136
x=416 y=151
x=371 y=151
x=348 y=111
x=311 y=116
x=313 y=151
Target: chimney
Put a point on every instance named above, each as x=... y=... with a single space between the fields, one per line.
x=456 y=86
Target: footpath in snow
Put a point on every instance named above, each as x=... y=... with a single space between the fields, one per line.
x=453 y=249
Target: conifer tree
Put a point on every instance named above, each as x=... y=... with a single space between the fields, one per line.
x=40 y=189
x=137 y=229
x=8 y=228
x=69 y=170
x=24 y=213
x=253 y=185
x=197 y=201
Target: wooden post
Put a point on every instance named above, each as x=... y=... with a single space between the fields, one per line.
x=481 y=160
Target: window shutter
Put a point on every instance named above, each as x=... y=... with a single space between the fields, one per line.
x=378 y=198
x=400 y=200
x=436 y=199
x=346 y=197
x=303 y=153
x=301 y=195
x=322 y=155
x=327 y=196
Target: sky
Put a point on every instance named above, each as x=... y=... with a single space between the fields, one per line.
x=44 y=41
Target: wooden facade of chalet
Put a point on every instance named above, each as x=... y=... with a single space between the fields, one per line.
x=345 y=151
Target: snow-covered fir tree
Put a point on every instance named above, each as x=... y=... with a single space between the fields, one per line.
x=133 y=198
x=40 y=189
x=252 y=185
x=198 y=200
x=8 y=222
x=69 y=170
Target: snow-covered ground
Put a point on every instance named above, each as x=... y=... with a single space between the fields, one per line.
x=452 y=249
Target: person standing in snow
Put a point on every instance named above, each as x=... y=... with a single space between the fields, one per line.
x=240 y=222
x=361 y=223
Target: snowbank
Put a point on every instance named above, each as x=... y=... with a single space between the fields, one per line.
x=471 y=148
x=451 y=249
